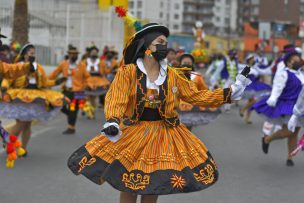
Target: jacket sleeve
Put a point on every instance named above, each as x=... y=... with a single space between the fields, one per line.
x=13 y=71
x=279 y=83
x=298 y=109
x=201 y=84
x=86 y=74
x=56 y=72
x=44 y=79
x=5 y=84
x=189 y=93
x=117 y=98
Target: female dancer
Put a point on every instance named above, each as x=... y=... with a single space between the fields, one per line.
x=143 y=148
x=256 y=89
x=97 y=84
x=278 y=107
x=27 y=98
x=195 y=115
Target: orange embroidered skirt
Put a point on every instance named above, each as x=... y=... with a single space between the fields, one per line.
x=97 y=85
x=150 y=158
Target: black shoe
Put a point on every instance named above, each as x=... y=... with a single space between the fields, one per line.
x=289 y=162
x=265 y=146
x=68 y=131
x=241 y=113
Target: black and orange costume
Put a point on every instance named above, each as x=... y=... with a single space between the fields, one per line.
x=109 y=65
x=97 y=84
x=155 y=153
x=73 y=88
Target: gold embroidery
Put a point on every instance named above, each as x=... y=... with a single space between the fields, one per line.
x=206 y=175
x=213 y=162
x=136 y=182
x=178 y=181
x=84 y=162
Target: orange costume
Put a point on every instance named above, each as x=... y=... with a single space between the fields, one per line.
x=76 y=75
x=143 y=148
x=97 y=84
x=109 y=67
x=27 y=97
x=150 y=153
x=12 y=71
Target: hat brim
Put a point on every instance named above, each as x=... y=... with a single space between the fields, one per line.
x=2 y=36
x=25 y=48
x=152 y=28
x=73 y=52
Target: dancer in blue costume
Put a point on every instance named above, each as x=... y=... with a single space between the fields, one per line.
x=278 y=107
x=256 y=89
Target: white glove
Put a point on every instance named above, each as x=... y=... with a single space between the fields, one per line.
x=239 y=86
x=109 y=129
x=271 y=102
x=292 y=123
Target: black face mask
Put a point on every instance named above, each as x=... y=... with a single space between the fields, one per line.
x=74 y=59
x=161 y=52
x=31 y=59
x=94 y=57
x=296 y=65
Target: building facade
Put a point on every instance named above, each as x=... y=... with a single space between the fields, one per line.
x=165 y=12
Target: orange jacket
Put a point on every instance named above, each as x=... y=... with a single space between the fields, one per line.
x=124 y=98
x=12 y=71
x=79 y=75
x=22 y=81
x=106 y=69
x=201 y=85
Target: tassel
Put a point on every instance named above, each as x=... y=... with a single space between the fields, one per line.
x=121 y=11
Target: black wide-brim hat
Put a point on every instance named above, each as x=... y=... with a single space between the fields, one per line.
x=25 y=48
x=151 y=27
x=136 y=43
x=1 y=35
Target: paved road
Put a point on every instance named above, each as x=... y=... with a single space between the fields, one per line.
x=246 y=174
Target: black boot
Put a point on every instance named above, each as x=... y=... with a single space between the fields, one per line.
x=265 y=146
x=289 y=162
x=69 y=131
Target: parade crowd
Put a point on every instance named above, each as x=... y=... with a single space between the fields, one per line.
x=152 y=96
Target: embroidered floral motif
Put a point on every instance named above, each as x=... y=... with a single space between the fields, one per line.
x=205 y=175
x=84 y=162
x=178 y=181
x=135 y=181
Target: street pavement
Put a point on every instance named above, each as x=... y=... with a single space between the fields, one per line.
x=246 y=174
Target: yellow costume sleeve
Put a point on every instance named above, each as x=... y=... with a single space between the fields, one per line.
x=44 y=79
x=189 y=93
x=5 y=84
x=118 y=95
x=13 y=71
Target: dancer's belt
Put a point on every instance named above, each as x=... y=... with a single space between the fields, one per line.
x=150 y=115
x=94 y=74
x=31 y=86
